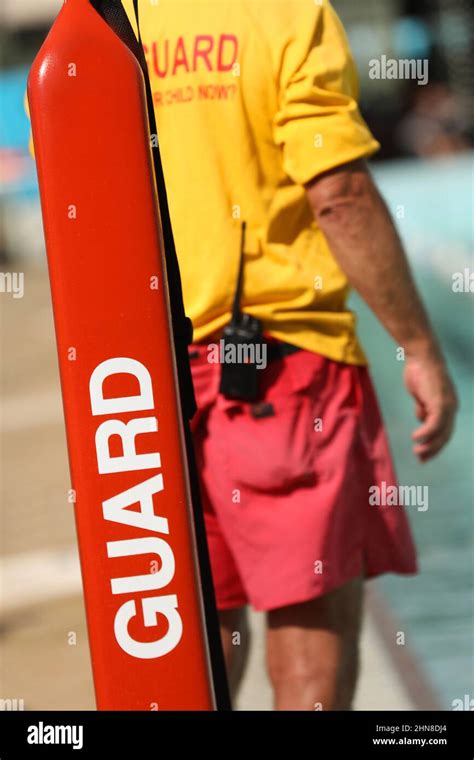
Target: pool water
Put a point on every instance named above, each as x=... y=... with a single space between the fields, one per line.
x=436 y=608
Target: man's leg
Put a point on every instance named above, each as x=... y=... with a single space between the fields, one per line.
x=312 y=651
x=235 y=638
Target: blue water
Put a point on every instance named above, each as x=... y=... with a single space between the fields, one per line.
x=14 y=135
x=436 y=609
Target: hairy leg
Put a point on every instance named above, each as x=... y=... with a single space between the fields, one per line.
x=235 y=638
x=312 y=651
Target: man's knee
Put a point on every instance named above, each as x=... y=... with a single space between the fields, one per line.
x=303 y=666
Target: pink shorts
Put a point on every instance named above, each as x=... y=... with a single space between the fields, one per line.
x=285 y=485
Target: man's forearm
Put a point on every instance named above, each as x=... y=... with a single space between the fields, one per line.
x=364 y=241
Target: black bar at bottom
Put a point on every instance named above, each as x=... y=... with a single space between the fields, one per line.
x=315 y=734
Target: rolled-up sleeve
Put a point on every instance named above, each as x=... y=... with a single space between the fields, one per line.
x=318 y=124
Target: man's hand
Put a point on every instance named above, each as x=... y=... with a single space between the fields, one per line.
x=428 y=381
x=362 y=236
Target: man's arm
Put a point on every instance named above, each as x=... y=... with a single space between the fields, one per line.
x=362 y=236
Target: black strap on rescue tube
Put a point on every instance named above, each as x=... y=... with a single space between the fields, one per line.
x=115 y=16
x=236 y=308
x=113 y=13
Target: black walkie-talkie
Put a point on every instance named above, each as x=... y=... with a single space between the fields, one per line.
x=239 y=371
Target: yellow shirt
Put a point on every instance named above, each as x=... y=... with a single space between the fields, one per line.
x=254 y=98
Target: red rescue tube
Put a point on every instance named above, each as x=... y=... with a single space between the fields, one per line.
x=127 y=454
